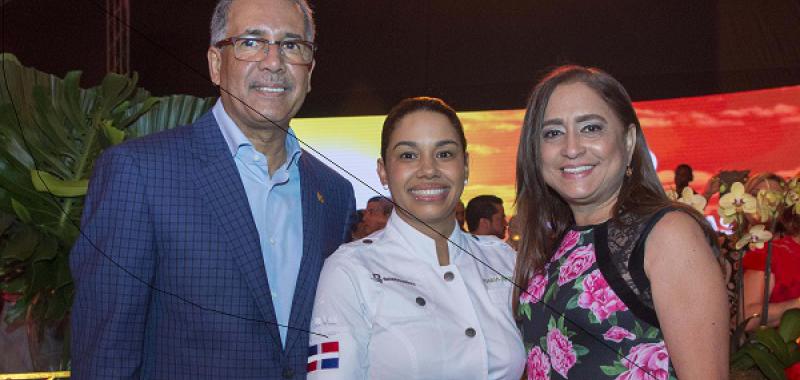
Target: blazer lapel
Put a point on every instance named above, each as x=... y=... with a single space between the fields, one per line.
x=313 y=203
x=218 y=180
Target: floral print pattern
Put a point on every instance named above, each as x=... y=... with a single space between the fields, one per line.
x=535 y=291
x=571 y=239
x=562 y=355
x=598 y=297
x=616 y=334
x=575 y=326
x=646 y=361
x=538 y=366
x=578 y=262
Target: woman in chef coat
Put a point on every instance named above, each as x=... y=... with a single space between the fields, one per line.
x=419 y=299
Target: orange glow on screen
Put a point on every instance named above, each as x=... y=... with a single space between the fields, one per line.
x=756 y=130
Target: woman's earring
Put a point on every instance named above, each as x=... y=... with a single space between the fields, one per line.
x=628 y=171
x=466 y=181
x=385 y=186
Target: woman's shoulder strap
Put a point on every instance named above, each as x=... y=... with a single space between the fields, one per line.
x=620 y=258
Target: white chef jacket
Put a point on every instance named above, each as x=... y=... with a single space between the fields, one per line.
x=385 y=309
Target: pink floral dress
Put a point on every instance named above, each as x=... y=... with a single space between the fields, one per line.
x=575 y=326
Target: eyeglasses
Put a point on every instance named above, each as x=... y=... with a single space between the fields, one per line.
x=253 y=49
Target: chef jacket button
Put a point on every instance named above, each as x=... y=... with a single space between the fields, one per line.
x=449 y=276
x=367 y=241
x=420 y=301
x=470 y=332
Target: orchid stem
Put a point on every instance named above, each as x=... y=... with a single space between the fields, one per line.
x=740 y=287
x=767 y=274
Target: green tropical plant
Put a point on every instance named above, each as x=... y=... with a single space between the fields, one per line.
x=771 y=349
x=171 y=111
x=51 y=132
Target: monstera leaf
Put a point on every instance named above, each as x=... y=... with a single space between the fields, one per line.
x=51 y=132
x=171 y=111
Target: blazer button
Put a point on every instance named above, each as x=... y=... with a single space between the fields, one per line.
x=449 y=276
x=420 y=301
x=470 y=332
x=288 y=373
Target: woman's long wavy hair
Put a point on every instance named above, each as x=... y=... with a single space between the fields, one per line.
x=544 y=215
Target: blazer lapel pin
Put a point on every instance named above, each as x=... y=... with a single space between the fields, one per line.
x=320 y=198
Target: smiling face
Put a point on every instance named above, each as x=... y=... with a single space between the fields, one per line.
x=272 y=87
x=584 y=150
x=425 y=169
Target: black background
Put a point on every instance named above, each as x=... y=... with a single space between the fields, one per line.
x=474 y=54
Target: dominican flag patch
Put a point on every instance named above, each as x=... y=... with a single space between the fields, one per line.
x=323 y=356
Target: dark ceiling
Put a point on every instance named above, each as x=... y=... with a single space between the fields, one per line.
x=474 y=54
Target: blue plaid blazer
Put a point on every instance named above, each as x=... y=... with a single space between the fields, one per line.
x=169 y=275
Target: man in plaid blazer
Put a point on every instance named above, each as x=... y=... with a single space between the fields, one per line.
x=201 y=246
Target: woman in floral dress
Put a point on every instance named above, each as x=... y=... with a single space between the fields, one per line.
x=621 y=282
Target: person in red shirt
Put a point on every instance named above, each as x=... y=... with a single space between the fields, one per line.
x=784 y=280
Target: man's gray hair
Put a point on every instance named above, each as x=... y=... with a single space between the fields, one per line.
x=219 y=20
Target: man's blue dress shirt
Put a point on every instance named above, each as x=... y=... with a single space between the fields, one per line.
x=277 y=211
